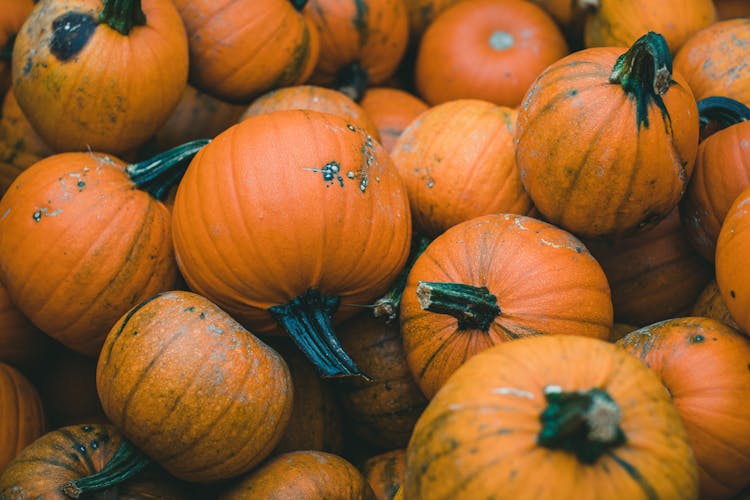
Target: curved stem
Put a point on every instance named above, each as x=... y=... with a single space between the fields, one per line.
x=298 y=4
x=308 y=319
x=585 y=423
x=122 y=15
x=474 y=307
x=353 y=80
x=387 y=305
x=723 y=111
x=158 y=174
x=124 y=464
x=645 y=72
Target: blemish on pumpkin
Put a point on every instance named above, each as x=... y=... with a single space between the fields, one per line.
x=81 y=185
x=697 y=339
x=351 y=127
x=512 y=391
x=70 y=33
x=202 y=315
x=27 y=67
x=189 y=309
x=215 y=329
x=5 y=214
x=87 y=428
x=734 y=295
x=37 y=215
x=331 y=172
x=94 y=444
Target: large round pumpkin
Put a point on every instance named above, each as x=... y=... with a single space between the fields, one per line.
x=548 y=417
x=493 y=279
x=606 y=138
x=99 y=68
x=23 y=418
x=704 y=366
x=287 y=215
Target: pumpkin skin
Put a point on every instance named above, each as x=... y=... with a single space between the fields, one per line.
x=486 y=49
x=543 y=280
x=304 y=475
x=655 y=274
x=480 y=436
x=619 y=23
x=105 y=104
x=391 y=110
x=710 y=304
x=111 y=245
x=385 y=473
x=177 y=375
x=21 y=343
x=595 y=159
x=704 y=366
x=23 y=416
x=242 y=48
x=457 y=161
x=713 y=61
x=13 y=14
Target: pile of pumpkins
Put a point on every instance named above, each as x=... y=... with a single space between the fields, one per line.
x=375 y=249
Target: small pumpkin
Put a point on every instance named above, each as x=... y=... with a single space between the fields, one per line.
x=494 y=279
x=385 y=473
x=84 y=237
x=486 y=49
x=581 y=413
x=23 y=416
x=704 y=366
x=710 y=304
x=606 y=139
x=13 y=13
x=107 y=59
x=391 y=110
x=187 y=384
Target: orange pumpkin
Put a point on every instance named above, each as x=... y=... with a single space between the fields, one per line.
x=287 y=215
x=102 y=225
x=13 y=13
x=710 y=304
x=23 y=416
x=107 y=59
x=550 y=416
x=704 y=366
x=385 y=473
x=457 y=160
x=391 y=110
x=486 y=49
x=194 y=390
x=493 y=279
x=714 y=61
x=21 y=343
x=421 y=14
x=606 y=139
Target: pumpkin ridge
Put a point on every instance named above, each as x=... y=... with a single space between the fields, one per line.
x=79 y=453
x=637 y=477
x=444 y=343
x=291 y=72
x=124 y=322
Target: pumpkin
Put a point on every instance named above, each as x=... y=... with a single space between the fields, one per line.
x=606 y=139
x=457 y=161
x=23 y=416
x=385 y=473
x=287 y=215
x=704 y=366
x=13 y=13
x=242 y=48
x=21 y=343
x=492 y=279
x=710 y=304
x=381 y=412
x=76 y=460
x=391 y=110
x=722 y=171
x=619 y=23
x=486 y=49
x=713 y=61
x=192 y=388
x=100 y=223
x=315 y=98
x=361 y=42
x=107 y=59
x=582 y=414
x=655 y=274
x=303 y=475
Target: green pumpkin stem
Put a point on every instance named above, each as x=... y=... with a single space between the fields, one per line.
x=723 y=111
x=124 y=464
x=474 y=307
x=387 y=305
x=585 y=423
x=353 y=80
x=645 y=72
x=122 y=15
x=158 y=174
x=298 y=4
x=308 y=319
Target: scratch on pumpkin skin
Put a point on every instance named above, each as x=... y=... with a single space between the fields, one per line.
x=512 y=391
x=5 y=214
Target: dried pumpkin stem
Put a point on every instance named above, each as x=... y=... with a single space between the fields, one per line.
x=585 y=423
x=723 y=111
x=352 y=81
x=299 y=4
x=474 y=307
x=308 y=319
x=124 y=464
x=387 y=306
x=158 y=174
x=122 y=15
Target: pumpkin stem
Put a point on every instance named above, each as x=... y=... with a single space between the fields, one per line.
x=122 y=15
x=585 y=423
x=474 y=307
x=589 y=5
x=387 y=305
x=353 y=80
x=158 y=174
x=645 y=72
x=298 y=4
x=308 y=319
x=722 y=111
x=124 y=464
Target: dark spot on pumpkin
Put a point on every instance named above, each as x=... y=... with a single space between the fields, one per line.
x=360 y=21
x=81 y=185
x=202 y=315
x=37 y=215
x=734 y=295
x=87 y=428
x=697 y=339
x=27 y=67
x=292 y=71
x=94 y=444
x=102 y=437
x=572 y=92
x=80 y=448
x=70 y=33
x=135 y=332
x=351 y=127
x=578 y=249
x=189 y=309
